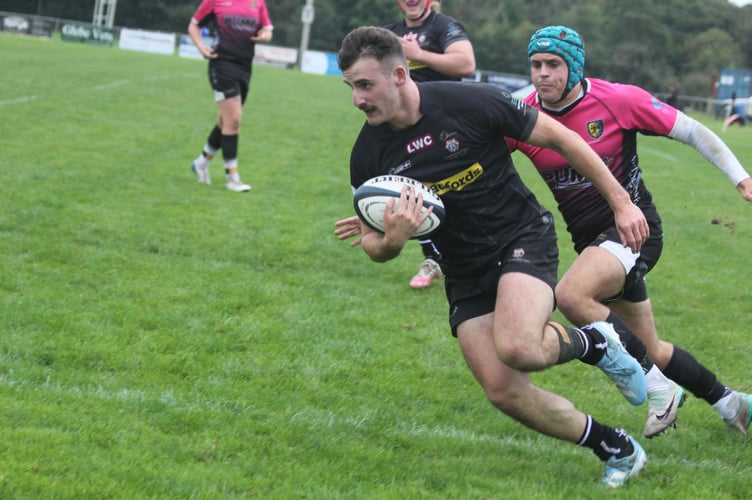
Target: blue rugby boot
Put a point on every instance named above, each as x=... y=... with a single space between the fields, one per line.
x=620 y=367
x=618 y=470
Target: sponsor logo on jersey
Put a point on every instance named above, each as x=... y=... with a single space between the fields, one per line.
x=241 y=23
x=595 y=128
x=401 y=167
x=419 y=144
x=457 y=182
x=566 y=178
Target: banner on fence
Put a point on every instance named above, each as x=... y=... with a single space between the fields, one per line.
x=87 y=33
x=147 y=41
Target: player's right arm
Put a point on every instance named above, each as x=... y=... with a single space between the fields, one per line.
x=194 y=31
x=399 y=226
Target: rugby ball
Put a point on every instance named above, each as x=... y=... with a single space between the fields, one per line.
x=371 y=197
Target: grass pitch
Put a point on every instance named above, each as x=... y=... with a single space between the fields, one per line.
x=166 y=339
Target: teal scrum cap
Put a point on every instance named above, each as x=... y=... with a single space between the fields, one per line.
x=565 y=43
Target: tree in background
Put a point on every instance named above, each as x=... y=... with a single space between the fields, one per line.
x=648 y=43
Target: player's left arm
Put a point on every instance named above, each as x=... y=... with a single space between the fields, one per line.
x=712 y=148
x=263 y=35
x=349 y=228
x=630 y=221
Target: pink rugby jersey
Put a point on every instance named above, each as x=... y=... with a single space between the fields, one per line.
x=236 y=21
x=608 y=117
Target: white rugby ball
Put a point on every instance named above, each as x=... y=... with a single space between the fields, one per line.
x=371 y=197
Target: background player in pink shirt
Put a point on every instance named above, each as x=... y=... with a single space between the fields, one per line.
x=239 y=26
x=606 y=281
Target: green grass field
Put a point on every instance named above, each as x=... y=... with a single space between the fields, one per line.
x=166 y=339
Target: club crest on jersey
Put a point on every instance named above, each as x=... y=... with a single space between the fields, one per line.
x=419 y=143
x=595 y=128
x=452 y=145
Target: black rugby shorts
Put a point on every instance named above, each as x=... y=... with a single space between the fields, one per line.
x=229 y=78
x=635 y=289
x=535 y=253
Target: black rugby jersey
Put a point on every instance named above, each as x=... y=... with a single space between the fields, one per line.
x=437 y=32
x=458 y=149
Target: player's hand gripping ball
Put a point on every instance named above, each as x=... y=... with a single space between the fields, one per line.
x=371 y=197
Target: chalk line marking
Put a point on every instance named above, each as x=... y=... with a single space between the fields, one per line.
x=663 y=155
x=18 y=100
x=112 y=85
x=324 y=420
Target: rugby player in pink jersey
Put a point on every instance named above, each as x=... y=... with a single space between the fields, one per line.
x=239 y=26
x=607 y=280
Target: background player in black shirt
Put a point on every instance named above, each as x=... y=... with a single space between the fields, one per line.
x=437 y=47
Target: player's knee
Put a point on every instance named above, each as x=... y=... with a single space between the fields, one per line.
x=566 y=295
x=504 y=399
x=517 y=355
x=232 y=125
x=570 y=301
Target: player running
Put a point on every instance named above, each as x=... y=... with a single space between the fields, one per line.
x=607 y=280
x=498 y=243
x=240 y=26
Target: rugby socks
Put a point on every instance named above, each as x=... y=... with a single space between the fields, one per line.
x=429 y=250
x=595 y=345
x=203 y=159
x=605 y=441
x=726 y=406
x=686 y=371
x=573 y=344
x=230 y=156
x=213 y=144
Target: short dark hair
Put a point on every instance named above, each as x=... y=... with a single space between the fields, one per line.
x=371 y=41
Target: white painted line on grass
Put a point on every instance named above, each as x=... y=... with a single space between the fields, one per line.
x=18 y=100
x=658 y=153
x=112 y=85
x=319 y=419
